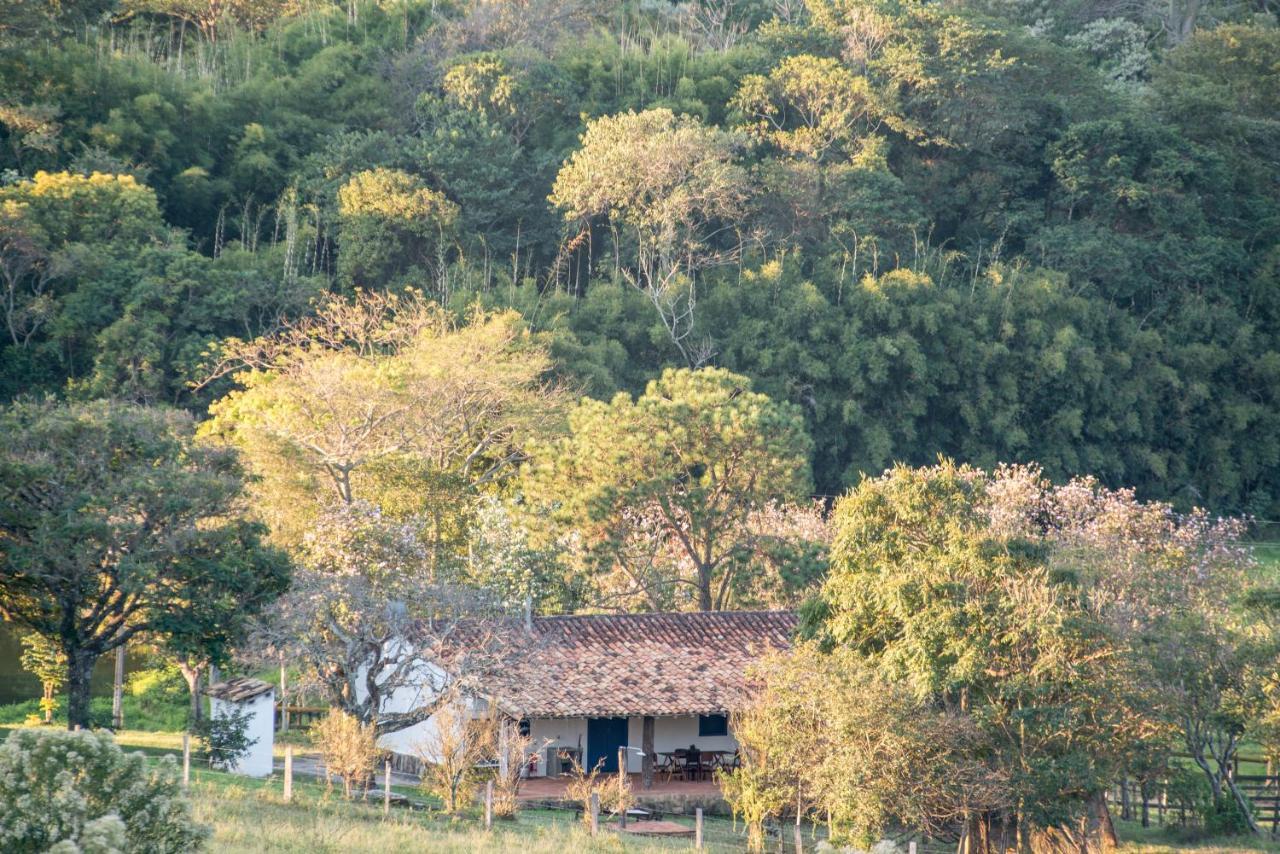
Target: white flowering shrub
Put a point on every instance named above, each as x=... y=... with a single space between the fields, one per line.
x=79 y=793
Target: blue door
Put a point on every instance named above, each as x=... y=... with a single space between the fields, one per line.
x=604 y=737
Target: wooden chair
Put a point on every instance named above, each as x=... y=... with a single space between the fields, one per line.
x=693 y=766
x=675 y=764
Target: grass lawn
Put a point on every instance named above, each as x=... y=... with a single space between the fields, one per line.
x=250 y=815
x=1154 y=840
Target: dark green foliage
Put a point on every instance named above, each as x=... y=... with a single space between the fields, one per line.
x=1055 y=236
x=115 y=523
x=222 y=739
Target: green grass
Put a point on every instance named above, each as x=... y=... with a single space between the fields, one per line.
x=1157 y=840
x=251 y=815
x=139 y=713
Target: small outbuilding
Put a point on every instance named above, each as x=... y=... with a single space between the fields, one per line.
x=257 y=700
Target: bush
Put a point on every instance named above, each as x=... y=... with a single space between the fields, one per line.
x=79 y=792
x=222 y=738
x=159 y=689
x=1224 y=818
x=349 y=748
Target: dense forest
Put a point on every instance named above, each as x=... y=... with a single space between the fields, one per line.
x=998 y=230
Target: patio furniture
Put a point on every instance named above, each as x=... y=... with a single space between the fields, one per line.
x=675 y=763
x=721 y=759
x=694 y=766
x=561 y=759
x=665 y=765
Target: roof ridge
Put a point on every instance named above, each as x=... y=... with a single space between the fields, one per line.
x=655 y=614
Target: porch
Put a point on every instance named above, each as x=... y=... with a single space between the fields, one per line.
x=667 y=797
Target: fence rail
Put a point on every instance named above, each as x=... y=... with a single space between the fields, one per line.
x=1158 y=801
x=299 y=717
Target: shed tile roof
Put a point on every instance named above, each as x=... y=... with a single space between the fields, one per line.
x=239 y=689
x=617 y=665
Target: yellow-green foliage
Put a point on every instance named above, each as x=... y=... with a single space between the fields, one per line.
x=348 y=747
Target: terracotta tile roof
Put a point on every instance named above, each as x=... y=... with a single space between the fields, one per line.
x=239 y=689
x=616 y=665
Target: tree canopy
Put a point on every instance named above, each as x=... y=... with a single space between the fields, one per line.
x=1001 y=231
x=116 y=523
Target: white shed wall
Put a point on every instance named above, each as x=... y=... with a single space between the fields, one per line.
x=260 y=725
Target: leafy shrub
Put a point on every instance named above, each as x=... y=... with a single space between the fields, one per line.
x=349 y=748
x=158 y=689
x=222 y=738
x=79 y=792
x=1187 y=792
x=1225 y=818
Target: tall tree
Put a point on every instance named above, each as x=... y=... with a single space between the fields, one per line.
x=668 y=189
x=115 y=522
x=386 y=399
x=675 y=477
x=372 y=628
x=936 y=598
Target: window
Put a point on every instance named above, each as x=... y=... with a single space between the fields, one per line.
x=713 y=725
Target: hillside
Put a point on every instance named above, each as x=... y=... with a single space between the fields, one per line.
x=999 y=230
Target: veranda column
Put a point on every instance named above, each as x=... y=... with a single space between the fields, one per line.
x=646 y=744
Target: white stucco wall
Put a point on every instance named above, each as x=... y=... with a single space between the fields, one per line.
x=412 y=740
x=556 y=732
x=260 y=725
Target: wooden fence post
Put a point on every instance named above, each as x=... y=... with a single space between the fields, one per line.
x=488 y=805
x=697 y=828
x=186 y=759
x=911 y=847
x=117 y=692
x=595 y=813
x=386 y=790
x=288 y=773
x=622 y=785
x=284 y=697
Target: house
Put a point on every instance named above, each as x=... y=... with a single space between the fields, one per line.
x=649 y=683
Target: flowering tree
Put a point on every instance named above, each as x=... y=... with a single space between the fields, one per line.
x=1169 y=586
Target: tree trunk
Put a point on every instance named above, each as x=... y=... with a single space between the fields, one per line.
x=1245 y=808
x=704 y=589
x=79 y=671
x=1101 y=830
x=977 y=836
x=193 y=673
x=646 y=745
